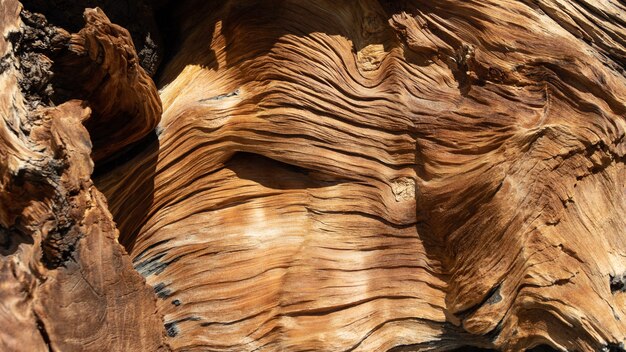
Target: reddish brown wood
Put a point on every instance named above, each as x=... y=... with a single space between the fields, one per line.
x=317 y=175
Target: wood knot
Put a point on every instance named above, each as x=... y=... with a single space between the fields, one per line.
x=403 y=189
x=370 y=57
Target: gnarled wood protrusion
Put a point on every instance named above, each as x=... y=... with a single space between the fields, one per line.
x=66 y=283
x=99 y=64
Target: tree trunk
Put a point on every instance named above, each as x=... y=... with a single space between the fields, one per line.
x=313 y=175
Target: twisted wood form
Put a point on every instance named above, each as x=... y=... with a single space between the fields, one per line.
x=321 y=175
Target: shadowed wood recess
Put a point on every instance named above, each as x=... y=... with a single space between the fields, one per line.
x=282 y=175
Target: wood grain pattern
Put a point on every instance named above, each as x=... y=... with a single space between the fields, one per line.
x=366 y=176
x=334 y=176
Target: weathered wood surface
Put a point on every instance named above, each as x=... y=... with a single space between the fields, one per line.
x=326 y=175
x=66 y=284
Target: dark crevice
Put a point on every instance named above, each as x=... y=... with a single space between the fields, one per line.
x=152 y=265
x=124 y=155
x=493 y=334
x=139 y=256
x=162 y=291
x=41 y=327
x=135 y=16
x=31 y=47
x=322 y=311
x=12 y=237
x=614 y=347
x=41 y=50
x=461 y=66
x=59 y=246
x=492 y=297
x=617 y=283
x=172 y=329
x=170 y=34
x=275 y=174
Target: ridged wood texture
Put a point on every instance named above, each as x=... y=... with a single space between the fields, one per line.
x=360 y=175
x=356 y=175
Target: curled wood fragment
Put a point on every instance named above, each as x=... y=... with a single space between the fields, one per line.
x=100 y=65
